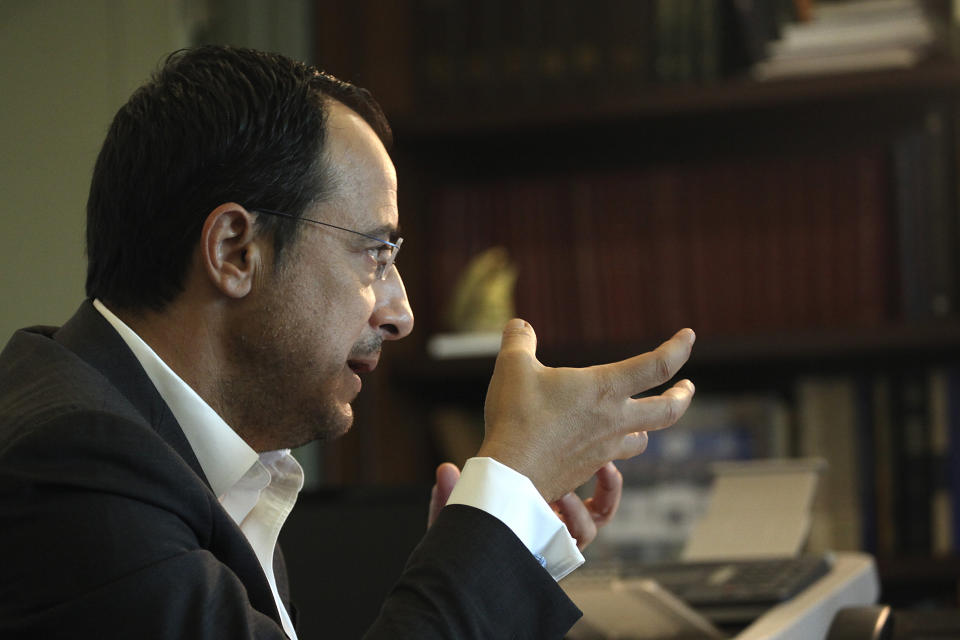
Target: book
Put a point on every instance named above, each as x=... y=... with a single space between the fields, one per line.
x=911 y=421
x=586 y=250
x=626 y=32
x=885 y=475
x=866 y=445
x=827 y=426
x=952 y=382
x=941 y=501
x=926 y=226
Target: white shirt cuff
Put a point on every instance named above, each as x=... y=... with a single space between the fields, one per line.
x=510 y=497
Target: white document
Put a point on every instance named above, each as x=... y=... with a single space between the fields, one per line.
x=757 y=509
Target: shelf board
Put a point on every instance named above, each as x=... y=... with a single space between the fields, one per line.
x=928 y=340
x=936 y=75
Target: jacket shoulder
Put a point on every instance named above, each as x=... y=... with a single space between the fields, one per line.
x=41 y=380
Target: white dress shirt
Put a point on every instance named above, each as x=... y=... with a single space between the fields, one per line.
x=259 y=491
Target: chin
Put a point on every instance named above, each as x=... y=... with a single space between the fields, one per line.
x=333 y=422
x=327 y=421
x=341 y=428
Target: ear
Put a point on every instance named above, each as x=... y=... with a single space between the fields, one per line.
x=231 y=252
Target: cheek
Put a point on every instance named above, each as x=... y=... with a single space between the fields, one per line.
x=369 y=301
x=361 y=303
x=346 y=317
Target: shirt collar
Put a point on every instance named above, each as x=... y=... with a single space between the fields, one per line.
x=223 y=455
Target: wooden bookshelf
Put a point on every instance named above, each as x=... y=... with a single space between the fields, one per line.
x=900 y=125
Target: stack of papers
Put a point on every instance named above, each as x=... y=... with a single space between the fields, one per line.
x=851 y=36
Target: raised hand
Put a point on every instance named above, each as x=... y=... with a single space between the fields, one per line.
x=558 y=426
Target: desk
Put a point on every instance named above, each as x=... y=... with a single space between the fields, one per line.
x=852 y=581
x=637 y=609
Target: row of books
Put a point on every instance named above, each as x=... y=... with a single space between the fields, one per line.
x=892 y=441
x=533 y=49
x=862 y=237
x=632 y=254
x=540 y=49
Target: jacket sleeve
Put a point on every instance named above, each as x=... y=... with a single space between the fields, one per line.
x=471 y=577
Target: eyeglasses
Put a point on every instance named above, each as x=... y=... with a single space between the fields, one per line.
x=385 y=254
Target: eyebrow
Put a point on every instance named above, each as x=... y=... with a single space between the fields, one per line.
x=390 y=231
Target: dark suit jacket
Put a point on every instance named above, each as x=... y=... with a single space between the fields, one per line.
x=108 y=527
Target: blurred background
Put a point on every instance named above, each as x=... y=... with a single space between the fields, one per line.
x=781 y=176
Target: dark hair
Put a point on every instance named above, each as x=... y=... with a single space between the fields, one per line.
x=214 y=124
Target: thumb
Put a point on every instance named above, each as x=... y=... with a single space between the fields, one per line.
x=518 y=335
x=447 y=476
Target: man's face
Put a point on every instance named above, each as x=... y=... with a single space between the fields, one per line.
x=321 y=317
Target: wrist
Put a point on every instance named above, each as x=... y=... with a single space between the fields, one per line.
x=526 y=466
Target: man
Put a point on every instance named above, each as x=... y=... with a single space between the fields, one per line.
x=242 y=227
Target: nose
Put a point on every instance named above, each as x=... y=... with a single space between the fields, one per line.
x=392 y=315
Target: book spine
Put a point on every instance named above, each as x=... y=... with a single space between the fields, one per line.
x=826 y=418
x=927 y=227
x=886 y=472
x=941 y=516
x=587 y=245
x=867 y=454
x=912 y=433
x=952 y=381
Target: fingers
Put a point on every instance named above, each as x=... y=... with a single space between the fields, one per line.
x=447 y=476
x=518 y=336
x=583 y=519
x=650 y=414
x=632 y=444
x=577 y=518
x=637 y=374
x=606 y=494
x=659 y=412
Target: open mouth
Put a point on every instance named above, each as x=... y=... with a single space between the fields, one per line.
x=361 y=366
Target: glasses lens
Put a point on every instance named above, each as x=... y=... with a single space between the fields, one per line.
x=387 y=257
